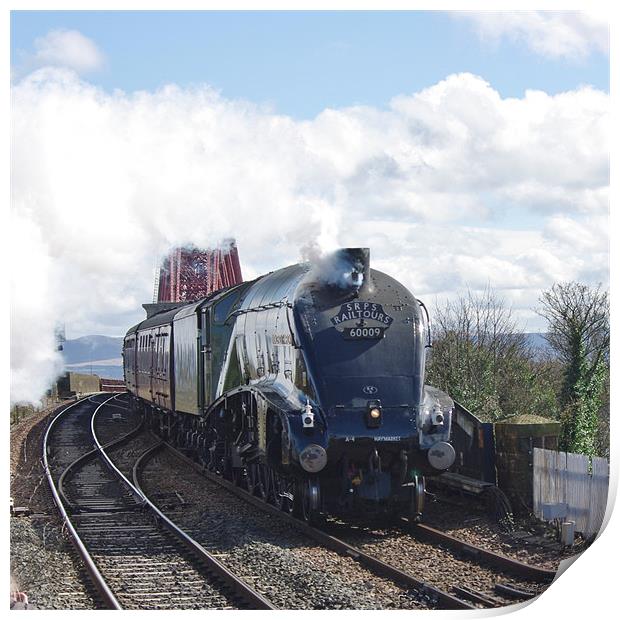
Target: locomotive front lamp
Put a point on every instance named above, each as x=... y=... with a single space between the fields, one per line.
x=437 y=417
x=307 y=416
x=373 y=415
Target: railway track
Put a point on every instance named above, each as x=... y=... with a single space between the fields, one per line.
x=136 y=557
x=470 y=573
x=504 y=580
x=277 y=557
x=503 y=562
x=133 y=553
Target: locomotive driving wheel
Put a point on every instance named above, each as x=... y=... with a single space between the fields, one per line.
x=240 y=477
x=259 y=480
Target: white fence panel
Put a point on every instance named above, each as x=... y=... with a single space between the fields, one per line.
x=564 y=488
x=549 y=483
x=577 y=490
x=540 y=486
x=557 y=466
x=598 y=497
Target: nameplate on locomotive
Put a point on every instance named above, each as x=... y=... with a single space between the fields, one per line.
x=362 y=320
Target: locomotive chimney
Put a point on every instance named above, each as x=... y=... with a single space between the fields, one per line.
x=359 y=259
x=339 y=276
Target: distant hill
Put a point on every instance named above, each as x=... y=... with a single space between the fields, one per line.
x=538 y=342
x=93 y=349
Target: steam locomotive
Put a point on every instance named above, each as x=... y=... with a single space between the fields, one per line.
x=305 y=386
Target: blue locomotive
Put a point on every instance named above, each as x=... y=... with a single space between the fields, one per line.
x=305 y=386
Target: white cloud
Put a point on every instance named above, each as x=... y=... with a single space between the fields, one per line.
x=69 y=49
x=556 y=34
x=103 y=183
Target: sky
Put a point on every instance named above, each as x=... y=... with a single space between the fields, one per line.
x=299 y=63
x=465 y=149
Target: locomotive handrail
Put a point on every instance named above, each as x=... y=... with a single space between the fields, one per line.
x=296 y=344
x=270 y=306
x=429 y=339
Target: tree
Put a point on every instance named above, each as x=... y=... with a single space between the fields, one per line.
x=602 y=436
x=578 y=318
x=480 y=358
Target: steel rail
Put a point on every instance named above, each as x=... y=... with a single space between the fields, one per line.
x=445 y=600
x=241 y=588
x=99 y=582
x=512 y=592
x=478 y=597
x=521 y=569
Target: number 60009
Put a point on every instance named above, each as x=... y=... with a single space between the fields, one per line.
x=365 y=332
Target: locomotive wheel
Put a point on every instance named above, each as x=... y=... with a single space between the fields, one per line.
x=259 y=480
x=416 y=501
x=227 y=472
x=252 y=479
x=239 y=477
x=248 y=481
x=309 y=500
x=283 y=492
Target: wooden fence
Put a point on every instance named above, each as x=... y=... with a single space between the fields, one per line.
x=568 y=488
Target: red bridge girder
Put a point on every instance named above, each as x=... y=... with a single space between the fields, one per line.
x=188 y=274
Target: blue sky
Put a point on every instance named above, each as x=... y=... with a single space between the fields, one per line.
x=302 y=62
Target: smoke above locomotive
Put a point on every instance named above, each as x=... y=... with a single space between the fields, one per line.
x=305 y=386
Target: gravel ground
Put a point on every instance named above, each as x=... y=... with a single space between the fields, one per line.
x=437 y=565
x=43 y=567
x=290 y=570
x=42 y=561
x=26 y=471
x=277 y=560
x=531 y=541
